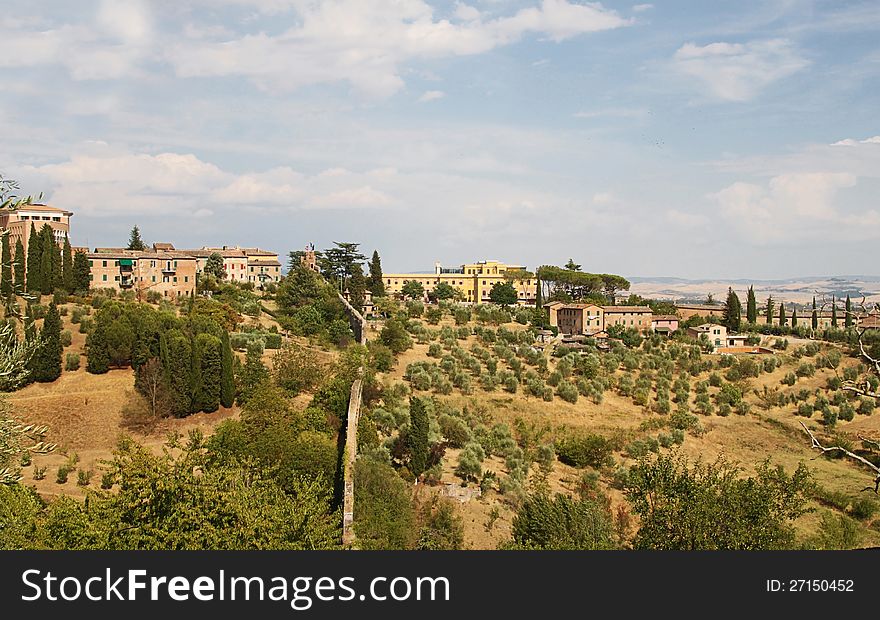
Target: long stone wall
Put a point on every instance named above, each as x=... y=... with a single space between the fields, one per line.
x=358 y=326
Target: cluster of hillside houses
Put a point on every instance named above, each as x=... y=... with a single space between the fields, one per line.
x=162 y=267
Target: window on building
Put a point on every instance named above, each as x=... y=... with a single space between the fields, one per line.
x=103 y=263
x=104 y=278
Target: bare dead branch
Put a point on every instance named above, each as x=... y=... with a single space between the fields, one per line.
x=818 y=446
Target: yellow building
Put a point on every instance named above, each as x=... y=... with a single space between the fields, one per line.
x=474 y=280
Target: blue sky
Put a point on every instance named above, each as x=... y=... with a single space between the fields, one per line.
x=691 y=139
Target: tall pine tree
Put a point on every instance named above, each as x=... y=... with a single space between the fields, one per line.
x=815 y=321
x=417 y=437
x=848 y=319
x=134 y=240
x=376 y=282
x=81 y=272
x=782 y=318
x=18 y=267
x=833 y=312
x=67 y=278
x=34 y=256
x=770 y=310
x=794 y=317
x=751 y=306
x=6 y=270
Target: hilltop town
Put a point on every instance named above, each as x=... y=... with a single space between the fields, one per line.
x=462 y=400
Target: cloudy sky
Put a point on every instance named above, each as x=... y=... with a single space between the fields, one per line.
x=675 y=139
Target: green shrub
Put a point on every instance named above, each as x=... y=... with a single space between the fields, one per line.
x=585 y=450
x=71 y=362
x=84 y=477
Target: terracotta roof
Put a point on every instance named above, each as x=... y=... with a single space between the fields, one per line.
x=263 y=262
x=665 y=317
x=106 y=253
x=163 y=246
x=42 y=209
x=870 y=322
x=615 y=309
x=231 y=253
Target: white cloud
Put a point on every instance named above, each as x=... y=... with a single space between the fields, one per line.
x=364 y=43
x=432 y=95
x=604 y=198
x=739 y=71
x=641 y=8
x=613 y=112
x=851 y=142
x=796 y=207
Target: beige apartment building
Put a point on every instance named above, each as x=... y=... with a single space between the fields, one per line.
x=19 y=221
x=173 y=274
x=591 y=319
x=474 y=280
x=242 y=264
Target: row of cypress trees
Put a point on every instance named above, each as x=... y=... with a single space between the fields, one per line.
x=46 y=267
x=194 y=352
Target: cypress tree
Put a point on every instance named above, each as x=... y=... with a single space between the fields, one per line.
x=6 y=271
x=227 y=384
x=751 y=306
x=815 y=315
x=97 y=351
x=417 y=437
x=770 y=310
x=539 y=294
x=833 y=312
x=18 y=267
x=46 y=362
x=732 y=315
x=34 y=255
x=794 y=317
x=848 y=319
x=782 y=319
x=208 y=372
x=356 y=288
x=47 y=260
x=67 y=278
x=376 y=281
x=176 y=355
x=81 y=272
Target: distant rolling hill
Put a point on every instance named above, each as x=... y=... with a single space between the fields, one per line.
x=794 y=290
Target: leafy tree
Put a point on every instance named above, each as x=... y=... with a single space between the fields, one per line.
x=46 y=363
x=67 y=275
x=81 y=272
x=769 y=310
x=338 y=263
x=252 y=373
x=120 y=340
x=751 y=306
x=134 y=240
x=439 y=527
x=560 y=522
x=384 y=517
x=712 y=507
x=18 y=267
x=395 y=337
x=149 y=382
x=214 y=266
x=302 y=286
x=572 y=266
x=815 y=317
x=732 y=315
x=34 y=256
x=417 y=436
x=503 y=294
x=227 y=380
x=848 y=318
x=376 y=281
x=177 y=360
x=444 y=290
x=413 y=289
x=296 y=369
